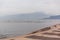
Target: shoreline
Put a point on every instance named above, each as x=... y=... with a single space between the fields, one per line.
x=51 y=33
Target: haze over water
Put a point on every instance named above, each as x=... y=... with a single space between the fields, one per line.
x=22 y=28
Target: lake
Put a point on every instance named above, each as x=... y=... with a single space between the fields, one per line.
x=21 y=28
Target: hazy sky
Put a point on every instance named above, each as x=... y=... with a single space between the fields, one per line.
x=8 y=7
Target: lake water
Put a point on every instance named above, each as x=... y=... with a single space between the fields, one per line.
x=22 y=28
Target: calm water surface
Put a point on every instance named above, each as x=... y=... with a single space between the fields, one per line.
x=15 y=28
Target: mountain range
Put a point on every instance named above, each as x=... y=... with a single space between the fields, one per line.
x=28 y=16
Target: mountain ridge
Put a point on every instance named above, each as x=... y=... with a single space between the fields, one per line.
x=54 y=17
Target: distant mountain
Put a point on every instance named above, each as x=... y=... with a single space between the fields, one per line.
x=54 y=17
x=36 y=15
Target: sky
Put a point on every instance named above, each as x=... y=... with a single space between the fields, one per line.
x=11 y=7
